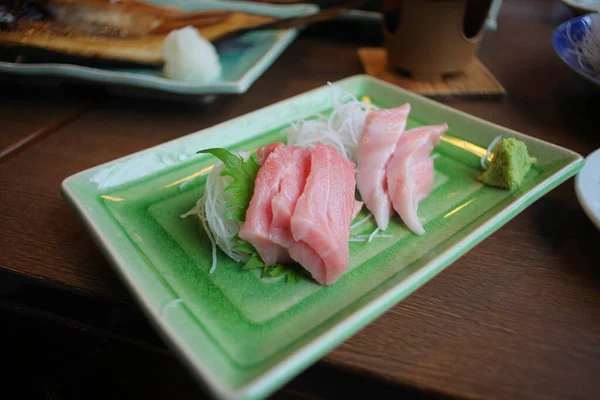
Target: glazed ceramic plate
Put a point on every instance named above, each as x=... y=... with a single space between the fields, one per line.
x=243 y=59
x=242 y=336
x=564 y=41
x=587 y=187
x=583 y=6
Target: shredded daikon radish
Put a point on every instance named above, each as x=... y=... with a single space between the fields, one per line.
x=372 y=235
x=342 y=129
x=211 y=210
x=215 y=207
x=587 y=49
x=364 y=238
x=198 y=211
x=213 y=243
x=378 y=236
x=488 y=152
x=361 y=221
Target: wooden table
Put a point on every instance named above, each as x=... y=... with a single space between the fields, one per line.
x=517 y=317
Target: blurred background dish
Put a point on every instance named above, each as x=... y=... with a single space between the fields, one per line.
x=242 y=59
x=565 y=40
x=371 y=11
x=587 y=187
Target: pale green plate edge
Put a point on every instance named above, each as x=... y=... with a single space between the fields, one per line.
x=153 y=296
x=587 y=194
x=133 y=80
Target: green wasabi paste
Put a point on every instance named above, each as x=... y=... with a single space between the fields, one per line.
x=510 y=163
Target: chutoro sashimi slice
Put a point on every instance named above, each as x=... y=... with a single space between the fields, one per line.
x=284 y=202
x=379 y=138
x=410 y=172
x=256 y=228
x=304 y=255
x=263 y=152
x=323 y=213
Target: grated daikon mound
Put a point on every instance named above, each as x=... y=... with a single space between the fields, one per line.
x=190 y=57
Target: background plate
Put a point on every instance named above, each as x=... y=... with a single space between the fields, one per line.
x=564 y=41
x=245 y=337
x=243 y=59
x=587 y=187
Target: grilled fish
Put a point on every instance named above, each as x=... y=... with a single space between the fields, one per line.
x=122 y=31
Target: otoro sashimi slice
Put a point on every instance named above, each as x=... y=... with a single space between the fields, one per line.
x=410 y=172
x=284 y=202
x=256 y=228
x=379 y=138
x=321 y=220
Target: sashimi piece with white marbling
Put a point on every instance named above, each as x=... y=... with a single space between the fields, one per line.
x=256 y=230
x=410 y=172
x=284 y=202
x=379 y=139
x=321 y=220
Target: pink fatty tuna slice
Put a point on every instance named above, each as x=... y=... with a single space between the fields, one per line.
x=410 y=172
x=322 y=217
x=379 y=138
x=304 y=255
x=284 y=202
x=357 y=207
x=263 y=152
x=256 y=229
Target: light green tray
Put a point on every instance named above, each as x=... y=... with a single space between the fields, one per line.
x=245 y=337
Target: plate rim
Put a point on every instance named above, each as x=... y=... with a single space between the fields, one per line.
x=555 y=35
x=271 y=379
x=340 y=82
x=580 y=192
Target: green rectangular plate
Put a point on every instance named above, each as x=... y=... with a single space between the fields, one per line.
x=242 y=336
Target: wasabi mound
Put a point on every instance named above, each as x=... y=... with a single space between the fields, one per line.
x=510 y=163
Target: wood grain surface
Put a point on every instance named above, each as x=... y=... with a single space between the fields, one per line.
x=28 y=113
x=517 y=317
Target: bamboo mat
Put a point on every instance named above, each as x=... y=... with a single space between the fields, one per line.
x=475 y=81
